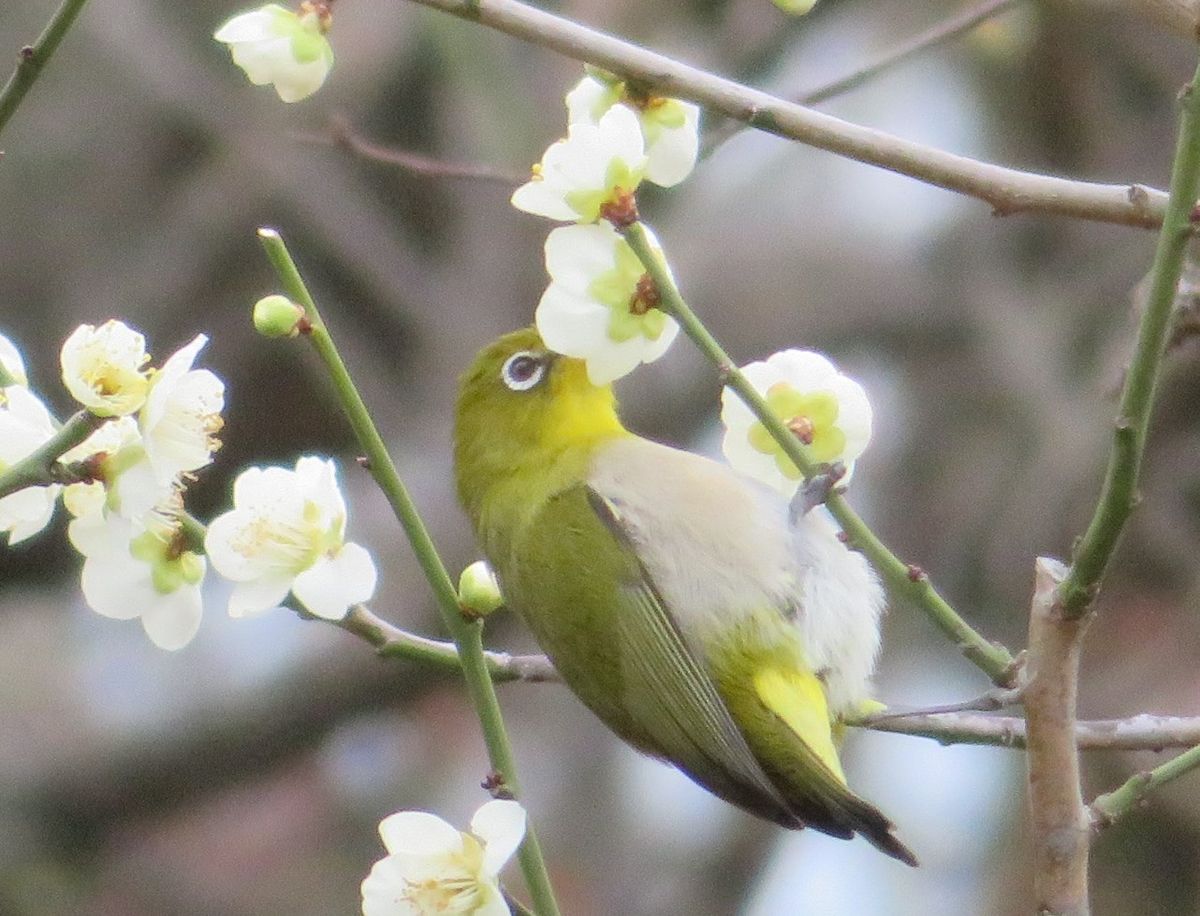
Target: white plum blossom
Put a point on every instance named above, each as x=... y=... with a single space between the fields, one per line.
x=123 y=481
x=142 y=569
x=12 y=364
x=596 y=166
x=275 y=45
x=828 y=412
x=182 y=415
x=670 y=127
x=25 y=425
x=600 y=305
x=433 y=869
x=104 y=368
x=286 y=532
x=139 y=464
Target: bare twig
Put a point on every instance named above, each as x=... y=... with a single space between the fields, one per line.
x=32 y=59
x=392 y=642
x=1138 y=733
x=1006 y=190
x=1058 y=822
x=997 y=698
x=342 y=135
x=944 y=31
x=947 y=30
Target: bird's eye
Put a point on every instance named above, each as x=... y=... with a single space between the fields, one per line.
x=523 y=370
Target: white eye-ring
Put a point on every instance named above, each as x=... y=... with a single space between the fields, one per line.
x=523 y=370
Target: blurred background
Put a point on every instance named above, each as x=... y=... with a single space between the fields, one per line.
x=246 y=773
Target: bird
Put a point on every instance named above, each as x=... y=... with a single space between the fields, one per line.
x=685 y=604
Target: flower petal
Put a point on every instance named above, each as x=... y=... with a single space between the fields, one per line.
x=384 y=890
x=500 y=824
x=672 y=156
x=331 y=585
x=174 y=619
x=577 y=255
x=542 y=199
x=257 y=595
x=419 y=833
x=570 y=324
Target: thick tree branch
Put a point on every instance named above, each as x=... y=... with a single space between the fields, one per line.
x=1005 y=190
x=1058 y=823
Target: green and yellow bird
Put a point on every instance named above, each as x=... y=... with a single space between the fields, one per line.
x=676 y=597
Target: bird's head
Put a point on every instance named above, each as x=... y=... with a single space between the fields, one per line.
x=524 y=410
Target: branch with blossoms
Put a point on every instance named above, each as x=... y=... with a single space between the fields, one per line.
x=122 y=465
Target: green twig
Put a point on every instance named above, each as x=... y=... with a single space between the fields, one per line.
x=37 y=468
x=905 y=581
x=1111 y=805
x=467 y=634
x=1118 y=495
x=32 y=59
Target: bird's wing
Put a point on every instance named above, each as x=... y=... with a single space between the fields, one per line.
x=668 y=688
x=577 y=576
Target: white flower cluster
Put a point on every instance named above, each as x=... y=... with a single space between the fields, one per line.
x=143 y=556
x=158 y=426
x=600 y=305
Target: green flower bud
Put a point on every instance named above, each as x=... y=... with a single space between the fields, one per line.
x=478 y=591
x=796 y=7
x=277 y=316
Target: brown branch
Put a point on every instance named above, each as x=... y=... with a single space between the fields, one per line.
x=1006 y=190
x=392 y=642
x=1138 y=733
x=342 y=136
x=1058 y=821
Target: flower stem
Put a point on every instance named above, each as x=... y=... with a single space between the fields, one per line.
x=1118 y=495
x=37 y=468
x=33 y=58
x=467 y=635
x=903 y=580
